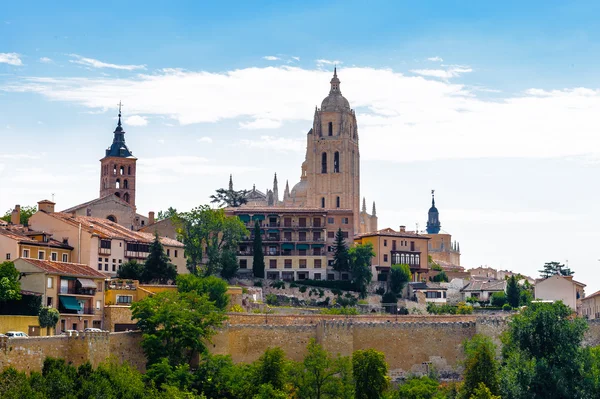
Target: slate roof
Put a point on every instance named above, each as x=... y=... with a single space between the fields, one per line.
x=64 y=268
x=104 y=228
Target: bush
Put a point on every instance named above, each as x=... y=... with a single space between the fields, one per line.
x=463 y=308
x=498 y=299
x=344 y=285
x=340 y=311
x=506 y=307
x=271 y=299
x=346 y=301
x=389 y=297
x=302 y=289
x=380 y=291
x=293 y=285
x=472 y=299
x=336 y=292
x=258 y=283
x=278 y=284
x=237 y=309
x=402 y=310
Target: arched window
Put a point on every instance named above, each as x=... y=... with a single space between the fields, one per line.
x=114 y=169
x=129 y=170
x=118 y=195
x=112 y=218
x=126 y=197
x=336 y=162
x=322 y=202
x=337 y=202
x=330 y=128
x=122 y=170
x=324 y=163
x=125 y=184
x=118 y=184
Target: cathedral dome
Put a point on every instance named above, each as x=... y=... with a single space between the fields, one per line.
x=335 y=101
x=299 y=190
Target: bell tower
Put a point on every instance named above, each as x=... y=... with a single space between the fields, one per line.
x=118 y=167
x=433 y=217
x=332 y=156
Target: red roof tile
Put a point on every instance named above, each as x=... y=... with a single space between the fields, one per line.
x=64 y=268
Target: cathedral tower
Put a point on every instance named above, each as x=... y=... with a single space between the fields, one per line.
x=433 y=220
x=117 y=172
x=332 y=157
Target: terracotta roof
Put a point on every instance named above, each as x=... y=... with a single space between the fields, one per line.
x=392 y=233
x=64 y=268
x=76 y=207
x=22 y=235
x=595 y=294
x=104 y=228
x=278 y=209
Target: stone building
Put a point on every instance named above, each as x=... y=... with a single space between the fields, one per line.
x=442 y=249
x=560 y=288
x=590 y=306
x=297 y=242
x=116 y=201
x=75 y=290
x=330 y=173
x=395 y=248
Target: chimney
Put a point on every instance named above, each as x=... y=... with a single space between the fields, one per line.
x=402 y=229
x=46 y=206
x=15 y=215
x=150 y=218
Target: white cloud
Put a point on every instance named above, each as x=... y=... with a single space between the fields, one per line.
x=451 y=72
x=323 y=62
x=271 y=58
x=19 y=156
x=435 y=59
x=280 y=144
x=10 y=59
x=136 y=120
x=93 y=63
x=205 y=140
x=435 y=118
x=261 y=123
x=296 y=58
x=46 y=60
x=161 y=141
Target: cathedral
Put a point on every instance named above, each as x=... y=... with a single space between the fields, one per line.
x=330 y=173
x=442 y=249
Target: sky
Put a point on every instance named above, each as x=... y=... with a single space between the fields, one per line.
x=495 y=105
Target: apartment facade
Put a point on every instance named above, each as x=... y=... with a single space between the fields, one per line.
x=103 y=244
x=76 y=290
x=22 y=242
x=297 y=242
x=394 y=248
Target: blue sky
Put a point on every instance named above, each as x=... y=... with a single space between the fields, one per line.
x=493 y=104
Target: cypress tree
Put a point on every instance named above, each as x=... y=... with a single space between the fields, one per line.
x=513 y=292
x=158 y=267
x=341 y=260
x=258 y=263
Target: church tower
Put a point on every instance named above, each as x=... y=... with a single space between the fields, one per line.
x=117 y=172
x=332 y=157
x=433 y=220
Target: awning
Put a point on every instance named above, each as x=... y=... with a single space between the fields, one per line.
x=302 y=246
x=244 y=218
x=87 y=283
x=272 y=231
x=258 y=217
x=318 y=245
x=287 y=245
x=69 y=302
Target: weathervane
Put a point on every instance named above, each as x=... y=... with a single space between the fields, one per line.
x=119 y=104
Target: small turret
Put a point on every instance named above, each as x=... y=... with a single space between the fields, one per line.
x=364 y=207
x=374 y=210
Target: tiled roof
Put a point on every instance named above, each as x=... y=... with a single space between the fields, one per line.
x=22 y=235
x=392 y=233
x=429 y=285
x=595 y=294
x=488 y=285
x=64 y=268
x=278 y=209
x=94 y=201
x=104 y=228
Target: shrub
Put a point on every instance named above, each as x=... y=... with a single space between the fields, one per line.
x=472 y=299
x=278 y=284
x=498 y=299
x=293 y=285
x=340 y=311
x=346 y=301
x=402 y=310
x=258 y=283
x=389 y=297
x=463 y=308
x=302 y=288
x=506 y=307
x=344 y=285
x=321 y=293
x=271 y=299
x=237 y=309
x=244 y=290
x=336 y=292
x=380 y=291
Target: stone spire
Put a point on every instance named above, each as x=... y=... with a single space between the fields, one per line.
x=230 y=182
x=433 y=220
x=458 y=247
x=275 y=191
x=118 y=147
x=364 y=207
x=286 y=193
x=374 y=211
x=335 y=83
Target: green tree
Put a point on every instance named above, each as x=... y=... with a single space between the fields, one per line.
x=15 y=385
x=543 y=354
x=26 y=213
x=418 y=388
x=552 y=268
x=272 y=369
x=267 y=391
x=341 y=259
x=170 y=212
x=209 y=237
x=258 y=260
x=176 y=325
x=214 y=287
x=48 y=318
x=399 y=276
x=229 y=196
x=480 y=366
x=433 y=265
x=214 y=374
x=158 y=267
x=370 y=374
x=360 y=266
x=229 y=264
x=441 y=277
x=318 y=374
x=483 y=392
x=513 y=292
x=131 y=270
x=10 y=287
x=498 y=299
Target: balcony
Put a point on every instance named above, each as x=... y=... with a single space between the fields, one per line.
x=136 y=254
x=104 y=251
x=77 y=291
x=84 y=311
